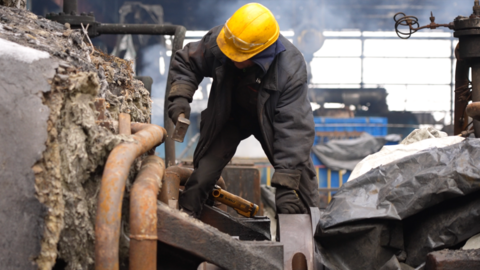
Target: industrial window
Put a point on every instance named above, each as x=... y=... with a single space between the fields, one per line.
x=417 y=73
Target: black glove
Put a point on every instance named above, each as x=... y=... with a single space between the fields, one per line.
x=288 y=202
x=176 y=107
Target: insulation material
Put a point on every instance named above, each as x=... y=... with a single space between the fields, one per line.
x=68 y=173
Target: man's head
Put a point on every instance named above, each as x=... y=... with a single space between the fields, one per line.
x=249 y=31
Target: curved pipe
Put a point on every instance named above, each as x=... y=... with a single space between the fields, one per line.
x=115 y=174
x=143 y=214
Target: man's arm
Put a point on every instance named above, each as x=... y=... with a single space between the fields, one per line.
x=189 y=66
x=294 y=132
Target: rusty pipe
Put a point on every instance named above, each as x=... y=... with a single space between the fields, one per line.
x=143 y=214
x=112 y=187
x=182 y=174
x=174 y=178
x=124 y=124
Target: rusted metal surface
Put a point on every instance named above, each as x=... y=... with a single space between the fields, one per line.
x=143 y=214
x=413 y=26
x=463 y=93
x=245 y=228
x=453 y=260
x=115 y=174
x=174 y=178
x=244 y=181
x=203 y=241
x=124 y=120
x=101 y=106
x=297 y=236
x=473 y=110
x=174 y=175
x=476 y=94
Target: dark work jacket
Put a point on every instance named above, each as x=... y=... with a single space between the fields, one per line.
x=285 y=114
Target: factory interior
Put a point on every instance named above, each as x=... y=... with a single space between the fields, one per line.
x=185 y=134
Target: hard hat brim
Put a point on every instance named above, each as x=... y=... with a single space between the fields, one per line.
x=229 y=49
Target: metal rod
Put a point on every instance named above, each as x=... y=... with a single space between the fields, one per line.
x=70 y=6
x=177 y=44
x=143 y=214
x=174 y=177
x=476 y=94
x=461 y=93
x=138 y=29
x=112 y=187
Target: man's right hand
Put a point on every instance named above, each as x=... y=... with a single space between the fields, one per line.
x=176 y=107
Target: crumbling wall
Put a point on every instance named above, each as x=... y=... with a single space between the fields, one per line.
x=67 y=176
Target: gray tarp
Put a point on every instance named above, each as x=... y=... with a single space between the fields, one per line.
x=345 y=154
x=403 y=210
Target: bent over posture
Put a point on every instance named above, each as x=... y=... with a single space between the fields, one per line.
x=259 y=88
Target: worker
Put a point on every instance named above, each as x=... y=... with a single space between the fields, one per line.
x=259 y=88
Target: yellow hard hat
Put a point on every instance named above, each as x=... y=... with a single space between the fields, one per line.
x=250 y=30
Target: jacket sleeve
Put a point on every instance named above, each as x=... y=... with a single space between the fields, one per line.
x=294 y=133
x=190 y=65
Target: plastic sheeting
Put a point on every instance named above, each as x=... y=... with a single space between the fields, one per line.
x=345 y=154
x=392 y=153
x=423 y=134
x=398 y=212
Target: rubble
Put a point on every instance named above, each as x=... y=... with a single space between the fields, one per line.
x=68 y=174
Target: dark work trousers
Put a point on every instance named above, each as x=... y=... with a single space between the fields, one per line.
x=210 y=167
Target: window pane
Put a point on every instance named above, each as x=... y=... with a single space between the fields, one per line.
x=406 y=71
x=336 y=70
x=340 y=47
x=417 y=97
x=407 y=48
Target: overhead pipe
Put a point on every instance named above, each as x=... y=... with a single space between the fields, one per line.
x=143 y=214
x=115 y=174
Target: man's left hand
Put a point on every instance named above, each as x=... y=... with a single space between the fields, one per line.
x=288 y=202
